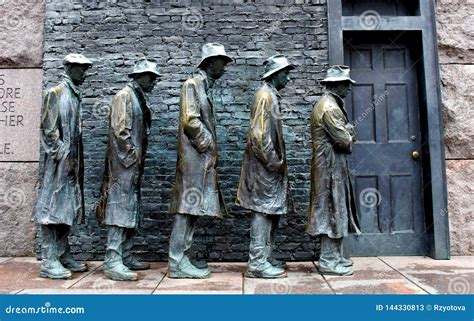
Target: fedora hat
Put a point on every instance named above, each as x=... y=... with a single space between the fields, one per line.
x=274 y=64
x=338 y=73
x=145 y=65
x=210 y=50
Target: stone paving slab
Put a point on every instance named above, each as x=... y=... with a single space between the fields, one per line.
x=231 y=267
x=23 y=273
x=226 y=278
x=219 y=283
x=9 y=291
x=455 y=276
x=84 y=291
x=195 y=292
x=303 y=278
x=384 y=275
x=372 y=276
x=423 y=262
x=147 y=281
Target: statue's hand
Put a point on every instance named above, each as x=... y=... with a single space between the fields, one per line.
x=69 y=164
x=275 y=166
x=351 y=129
x=202 y=145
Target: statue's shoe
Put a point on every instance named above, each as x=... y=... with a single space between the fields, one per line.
x=200 y=264
x=339 y=270
x=346 y=262
x=120 y=273
x=135 y=265
x=54 y=270
x=276 y=263
x=186 y=270
x=268 y=272
x=74 y=266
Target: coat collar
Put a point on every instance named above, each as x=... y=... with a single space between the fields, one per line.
x=339 y=101
x=273 y=89
x=207 y=85
x=142 y=98
x=338 y=98
x=143 y=103
x=138 y=91
x=68 y=82
x=202 y=74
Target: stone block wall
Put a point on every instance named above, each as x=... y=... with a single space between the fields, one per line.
x=21 y=56
x=455 y=26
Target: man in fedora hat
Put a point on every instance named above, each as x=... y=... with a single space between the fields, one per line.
x=196 y=190
x=332 y=210
x=60 y=201
x=263 y=186
x=119 y=205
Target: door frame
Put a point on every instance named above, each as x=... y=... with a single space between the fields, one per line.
x=433 y=160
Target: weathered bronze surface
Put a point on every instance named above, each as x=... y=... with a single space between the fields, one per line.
x=332 y=210
x=263 y=186
x=60 y=201
x=119 y=206
x=196 y=191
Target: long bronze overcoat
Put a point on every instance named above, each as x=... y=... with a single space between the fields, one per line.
x=332 y=209
x=130 y=122
x=60 y=199
x=196 y=190
x=263 y=185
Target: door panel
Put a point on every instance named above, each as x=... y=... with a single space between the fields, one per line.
x=383 y=8
x=384 y=106
x=369 y=215
x=366 y=127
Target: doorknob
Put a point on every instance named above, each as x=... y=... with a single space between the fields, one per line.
x=415 y=154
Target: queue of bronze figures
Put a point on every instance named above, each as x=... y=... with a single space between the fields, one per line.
x=263 y=187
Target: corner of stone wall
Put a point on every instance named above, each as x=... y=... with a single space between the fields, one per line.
x=21 y=56
x=455 y=28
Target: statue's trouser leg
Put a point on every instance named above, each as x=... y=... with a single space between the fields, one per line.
x=330 y=252
x=188 y=237
x=128 y=243
x=128 y=259
x=275 y=221
x=49 y=245
x=181 y=237
x=341 y=252
x=260 y=230
x=115 y=238
x=64 y=251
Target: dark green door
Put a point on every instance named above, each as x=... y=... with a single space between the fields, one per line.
x=385 y=107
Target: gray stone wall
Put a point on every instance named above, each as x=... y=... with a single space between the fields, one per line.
x=21 y=55
x=455 y=24
x=115 y=34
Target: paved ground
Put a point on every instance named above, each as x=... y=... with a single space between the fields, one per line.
x=374 y=275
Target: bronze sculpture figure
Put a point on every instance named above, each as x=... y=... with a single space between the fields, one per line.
x=119 y=206
x=332 y=210
x=196 y=190
x=263 y=186
x=60 y=200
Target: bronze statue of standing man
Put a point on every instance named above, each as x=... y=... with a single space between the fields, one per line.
x=60 y=200
x=332 y=209
x=263 y=186
x=119 y=206
x=196 y=190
